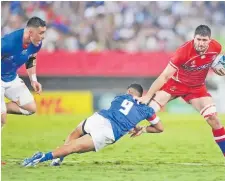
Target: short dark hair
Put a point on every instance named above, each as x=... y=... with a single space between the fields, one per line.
x=36 y=22
x=137 y=87
x=203 y=30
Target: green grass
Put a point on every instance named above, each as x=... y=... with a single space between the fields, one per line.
x=184 y=152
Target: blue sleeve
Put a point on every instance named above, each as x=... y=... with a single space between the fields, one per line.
x=5 y=47
x=151 y=114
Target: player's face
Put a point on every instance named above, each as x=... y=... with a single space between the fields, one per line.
x=37 y=35
x=201 y=43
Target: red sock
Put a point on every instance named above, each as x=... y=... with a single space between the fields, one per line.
x=219 y=136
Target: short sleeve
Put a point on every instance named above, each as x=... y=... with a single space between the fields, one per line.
x=152 y=118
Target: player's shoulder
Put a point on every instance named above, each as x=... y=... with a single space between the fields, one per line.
x=215 y=46
x=184 y=49
x=14 y=33
x=186 y=45
x=182 y=52
x=13 y=37
x=146 y=107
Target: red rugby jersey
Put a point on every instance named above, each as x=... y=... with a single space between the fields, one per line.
x=192 y=68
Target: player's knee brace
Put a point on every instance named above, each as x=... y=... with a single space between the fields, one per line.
x=209 y=111
x=25 y=112
x=210 y=115
x=155 y=105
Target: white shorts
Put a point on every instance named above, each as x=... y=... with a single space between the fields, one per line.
x=15 y=91
x=100 y=130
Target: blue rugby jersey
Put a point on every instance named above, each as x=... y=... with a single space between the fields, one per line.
x=13 y=55
x=125 y=113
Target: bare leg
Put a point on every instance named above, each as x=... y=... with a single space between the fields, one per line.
x=160 y=99
x=207 y=109
x=14 y=108
x=208 y=112
x=77 y=133
x=80 y=145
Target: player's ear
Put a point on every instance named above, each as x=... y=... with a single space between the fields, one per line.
x=128 y=91
x=30 y=32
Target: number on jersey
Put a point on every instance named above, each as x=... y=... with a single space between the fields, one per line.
x=126 y=107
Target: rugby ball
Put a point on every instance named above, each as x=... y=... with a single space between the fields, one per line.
x=219 y=62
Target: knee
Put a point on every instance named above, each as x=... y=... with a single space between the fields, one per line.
x=33 y=108
x=3 y=119
x=214 y=121
x=29 y=109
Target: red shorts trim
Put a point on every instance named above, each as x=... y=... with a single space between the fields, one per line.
x=177 y=89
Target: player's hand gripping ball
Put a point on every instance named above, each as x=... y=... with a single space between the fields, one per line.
x=218 y=65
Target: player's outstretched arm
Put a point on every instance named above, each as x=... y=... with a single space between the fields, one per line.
x=157 y=84
x=153 y=128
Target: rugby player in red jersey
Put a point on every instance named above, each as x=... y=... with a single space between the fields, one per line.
x=185 y=77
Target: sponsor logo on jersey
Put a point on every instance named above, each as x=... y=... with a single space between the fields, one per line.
x=173 y=88
x=193 y=64
x=195 y=68
x=24 y=52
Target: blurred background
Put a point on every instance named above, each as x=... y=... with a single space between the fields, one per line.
x=94 y=50
x=129 y=26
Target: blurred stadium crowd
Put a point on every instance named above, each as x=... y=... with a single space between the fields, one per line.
x=125 y=26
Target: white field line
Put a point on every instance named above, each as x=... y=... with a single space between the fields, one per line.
x=107 y=162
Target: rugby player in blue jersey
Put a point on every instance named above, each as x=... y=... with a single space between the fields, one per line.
x=18 y=48
x=104 y=128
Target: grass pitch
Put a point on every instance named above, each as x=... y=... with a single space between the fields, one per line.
x=185 y=151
